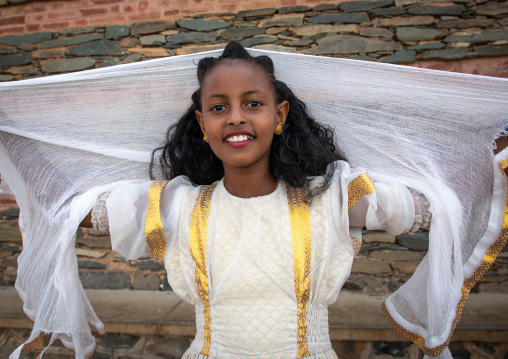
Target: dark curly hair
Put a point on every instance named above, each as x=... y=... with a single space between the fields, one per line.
x=305 y=149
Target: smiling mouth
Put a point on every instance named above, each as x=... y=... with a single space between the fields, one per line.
x=240 y=138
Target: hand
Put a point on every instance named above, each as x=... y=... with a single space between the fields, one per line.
x=87 y=221
x=501 y=144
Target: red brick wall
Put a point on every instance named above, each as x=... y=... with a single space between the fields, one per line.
x=485 y=66
x=56 y=15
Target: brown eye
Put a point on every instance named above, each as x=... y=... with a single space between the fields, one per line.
x=254 y=104
x=218 y=108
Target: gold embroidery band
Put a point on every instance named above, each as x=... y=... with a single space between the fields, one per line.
x=34 y=344
x=488 y=259
x=154 y=234
x=357 y=244
x=43 y=339
x=357 y=188
x=197 y=242
x=299 y=217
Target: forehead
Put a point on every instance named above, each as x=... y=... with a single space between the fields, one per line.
x=232 y=75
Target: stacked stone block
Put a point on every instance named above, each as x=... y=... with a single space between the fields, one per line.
x=385 y=262
x=393 y=31
x=125 y=346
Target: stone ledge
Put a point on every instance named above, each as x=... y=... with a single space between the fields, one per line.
x=355 y=317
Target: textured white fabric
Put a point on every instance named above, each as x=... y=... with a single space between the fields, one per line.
x=250 y=260
x=99 y=215
x=329 y=354
x=66 y=138
x=395 y=199
x=422 y=213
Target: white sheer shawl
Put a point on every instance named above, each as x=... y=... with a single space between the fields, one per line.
x=64 y=139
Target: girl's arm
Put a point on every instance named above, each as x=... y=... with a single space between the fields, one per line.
x=390 y=213
x=87 y=221
x=124 y=213
x=501 y=144
x=392 y=208
x=97 y=218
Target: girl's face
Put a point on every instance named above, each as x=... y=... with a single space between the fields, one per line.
x=239 y=114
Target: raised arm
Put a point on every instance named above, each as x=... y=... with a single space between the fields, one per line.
x=129 y=214
x=97 y=218
x=501 y=144
x=393 y=208
x=391 y=201
x=87 y=221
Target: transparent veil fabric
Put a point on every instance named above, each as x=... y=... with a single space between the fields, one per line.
x=64 y=139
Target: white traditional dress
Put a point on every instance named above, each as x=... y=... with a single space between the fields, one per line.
x=261 y=271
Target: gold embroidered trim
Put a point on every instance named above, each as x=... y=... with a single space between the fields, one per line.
x=43 y=340
x=34 y=344
x=197 y=243
x=359 y=187
x=301 y=237
x=488 y=259
x=357 y=244
x=154 y=234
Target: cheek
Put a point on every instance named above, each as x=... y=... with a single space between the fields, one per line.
x=215 y=145
x=209 y=126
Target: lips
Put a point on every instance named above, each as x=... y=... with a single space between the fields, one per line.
x=238 y=138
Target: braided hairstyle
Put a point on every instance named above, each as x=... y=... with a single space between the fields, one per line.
x=305 y=149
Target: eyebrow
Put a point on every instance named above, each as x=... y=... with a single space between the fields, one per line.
x=219 y=95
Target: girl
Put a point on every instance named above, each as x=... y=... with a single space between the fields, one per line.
x=261 y=218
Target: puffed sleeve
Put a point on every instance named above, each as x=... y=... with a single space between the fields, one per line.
x=127 y=208
x=389 y=208
x=376 y=205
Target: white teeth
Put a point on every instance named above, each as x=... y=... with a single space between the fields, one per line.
x=239 y=138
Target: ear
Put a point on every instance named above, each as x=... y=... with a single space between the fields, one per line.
x=282 y=113
x=199 y=117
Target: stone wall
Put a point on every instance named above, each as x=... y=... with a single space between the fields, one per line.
x=26 y=16
x=385 y=262
x=464 y=36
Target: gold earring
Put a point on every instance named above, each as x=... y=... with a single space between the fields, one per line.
x=279 y=130
x=205 y=138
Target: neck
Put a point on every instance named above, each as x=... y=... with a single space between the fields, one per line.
x=248 y=183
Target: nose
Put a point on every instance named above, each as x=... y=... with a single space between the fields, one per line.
x=236 y=116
